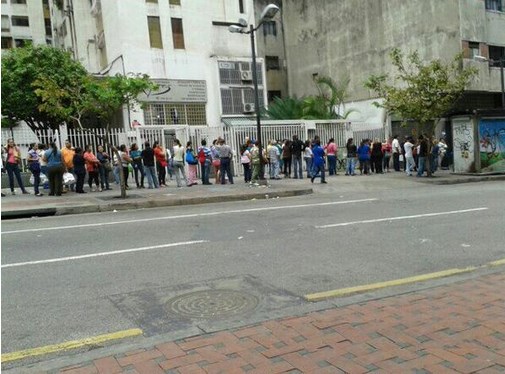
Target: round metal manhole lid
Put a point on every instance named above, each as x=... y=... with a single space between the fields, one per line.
x=212 y=304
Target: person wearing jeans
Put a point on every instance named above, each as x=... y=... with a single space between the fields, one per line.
x=105 y=167
x=179 y=155
x=12 y=166
x=351 y=157
x=423 y=153
x=34 y=166
x=296 y=154
x=307 y=156
x=147 y=155
x=409 y=157
x=319 y=154
x=331 y=154
x=205 y=160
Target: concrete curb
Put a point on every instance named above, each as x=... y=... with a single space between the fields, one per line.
x=462 y=179
x=139 y=203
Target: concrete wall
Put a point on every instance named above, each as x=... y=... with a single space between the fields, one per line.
x=354 y=37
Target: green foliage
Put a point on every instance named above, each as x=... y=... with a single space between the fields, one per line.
x=288 y=108
x=323 y=106
x=102 y=96
x=21 y=68
x=421 y=91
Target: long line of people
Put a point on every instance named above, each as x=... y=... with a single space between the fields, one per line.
x=153 y=164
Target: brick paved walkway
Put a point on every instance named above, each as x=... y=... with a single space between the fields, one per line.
x=458 y=328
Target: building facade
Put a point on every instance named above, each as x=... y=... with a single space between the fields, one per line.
x=25 y=21
x=353 y=38
x=203 y=71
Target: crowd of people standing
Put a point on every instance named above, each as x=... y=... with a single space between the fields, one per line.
x=156 y=164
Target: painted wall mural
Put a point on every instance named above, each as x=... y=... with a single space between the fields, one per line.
x=492 y=145
x=463 y=145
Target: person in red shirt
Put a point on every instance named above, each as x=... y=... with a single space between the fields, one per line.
x=92 y=167
x=386 y=151
x=161 y=163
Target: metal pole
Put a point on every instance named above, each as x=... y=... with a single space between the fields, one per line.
x=256 y=100
x=502 y=60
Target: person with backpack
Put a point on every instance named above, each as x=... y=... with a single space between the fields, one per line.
x=205 y=160
x=192 y=164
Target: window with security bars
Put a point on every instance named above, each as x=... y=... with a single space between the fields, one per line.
x=230 y=73
x=175 y=114
x=238 y=100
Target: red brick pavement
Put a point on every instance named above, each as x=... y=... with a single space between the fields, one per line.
x=458 y=328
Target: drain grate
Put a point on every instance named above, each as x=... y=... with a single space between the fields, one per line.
x=212 y=304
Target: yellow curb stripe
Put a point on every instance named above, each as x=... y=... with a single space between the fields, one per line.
x=73 y=344
x=497 y=262
x=375 y=286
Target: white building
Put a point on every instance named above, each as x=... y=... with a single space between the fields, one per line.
x=25 y=21
x=203 y=71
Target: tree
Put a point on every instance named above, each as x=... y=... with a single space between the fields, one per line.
x=102 y=97
x=422 y=91
x=21 y=68
x=326 y=105
x=288 y=108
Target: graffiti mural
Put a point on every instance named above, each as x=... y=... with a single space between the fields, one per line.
x=463 y=144
x=492 y=145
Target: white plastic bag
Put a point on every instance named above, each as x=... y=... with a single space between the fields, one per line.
x=68 y=178
x=43 y=179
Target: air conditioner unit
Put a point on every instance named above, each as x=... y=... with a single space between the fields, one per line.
x=249 y=107
x=246 y=75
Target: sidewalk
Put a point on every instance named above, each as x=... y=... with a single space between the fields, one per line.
x=71 y=203
x=454 y=328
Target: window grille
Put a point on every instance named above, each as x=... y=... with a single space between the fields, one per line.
x=175 y=114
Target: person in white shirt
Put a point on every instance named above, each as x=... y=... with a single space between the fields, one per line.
x=409 y=157
x=396 y=150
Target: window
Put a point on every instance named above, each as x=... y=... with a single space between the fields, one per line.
x=6 y=43
x=474 y=49
x=177 y=33
x=20 y=21
x=152 y=1
x=496 y=5
x=174 y=114
x=153 y=24
x=270 y=28
x=47 y=25
x=241 y=6
x=18 y=1
x=20 y=43
x=6 y=25
x=495 y=55
x=174 y=2
x=272 y=62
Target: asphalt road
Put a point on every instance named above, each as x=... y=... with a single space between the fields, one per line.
x=73 y=277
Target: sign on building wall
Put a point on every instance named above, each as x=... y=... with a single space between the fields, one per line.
x=492 y=145
x=463 y=145
x=177 y=91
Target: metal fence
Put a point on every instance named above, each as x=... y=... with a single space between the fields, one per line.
x=234 y=134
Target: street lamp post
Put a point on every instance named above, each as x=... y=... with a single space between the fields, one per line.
x=268 y=13
x=502 y=62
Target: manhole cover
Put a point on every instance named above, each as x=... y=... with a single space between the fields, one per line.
x=212 y=304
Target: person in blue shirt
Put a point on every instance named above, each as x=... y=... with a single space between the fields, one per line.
x=55 y=170
x=364 y=157
x=318 y=161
